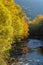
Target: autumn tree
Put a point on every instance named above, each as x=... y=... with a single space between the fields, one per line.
x=36 y=27
x=18 y=18
x=13 y=24
x=6 y=29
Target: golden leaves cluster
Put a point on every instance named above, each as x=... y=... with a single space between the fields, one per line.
x=18 y=18
x=13 y=25
x=6 y=29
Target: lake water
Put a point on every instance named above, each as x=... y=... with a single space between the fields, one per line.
x=32 y=9
x=32 y=58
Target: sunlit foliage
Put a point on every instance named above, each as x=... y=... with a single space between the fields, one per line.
x=25 y=27
x=36 y=26
x=19 y=24
x=2 y=62
x=13 y=24
x=6 y=29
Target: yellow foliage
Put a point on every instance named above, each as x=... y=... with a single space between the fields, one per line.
x=37 y=20
x=12 y=24
x=2 y=62
x=19 y=24
x=25 y=27
x=6 y=29
x=7 y=2
x=14 y=8
x=39 y=17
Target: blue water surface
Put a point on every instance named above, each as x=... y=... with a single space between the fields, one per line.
x=34 y=43
x=33 y=8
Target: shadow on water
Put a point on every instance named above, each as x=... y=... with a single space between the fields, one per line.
x=27 y=53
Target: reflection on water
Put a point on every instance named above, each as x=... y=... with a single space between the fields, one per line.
x=34 y=57
x=34 y=43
